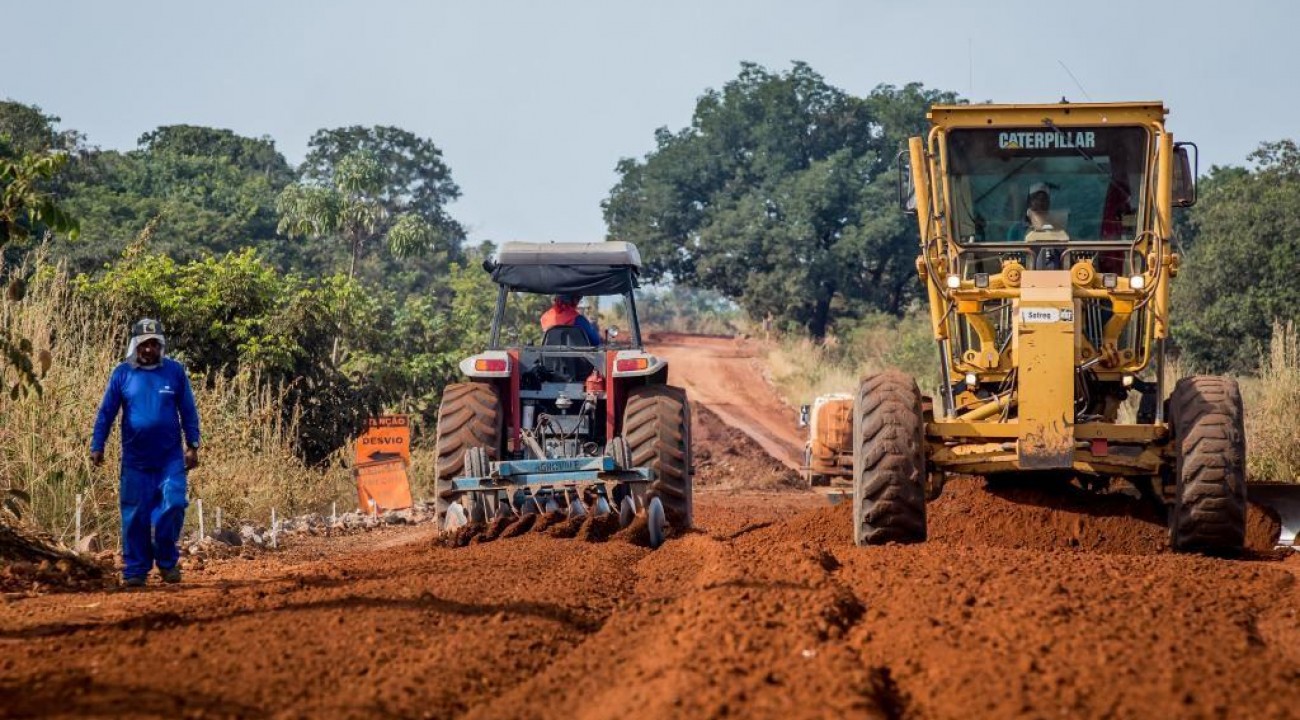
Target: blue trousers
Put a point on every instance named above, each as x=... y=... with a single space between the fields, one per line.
x=153 y=511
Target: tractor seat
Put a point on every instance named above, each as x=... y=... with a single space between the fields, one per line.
x=571 y=369
x=566 y=336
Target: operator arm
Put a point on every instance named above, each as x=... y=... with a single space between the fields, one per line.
x=108 y=410
x=189 y=411
x=588 y=329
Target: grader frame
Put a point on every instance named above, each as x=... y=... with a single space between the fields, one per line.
x=1048 y=320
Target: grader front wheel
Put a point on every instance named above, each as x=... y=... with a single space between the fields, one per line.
x=469 y=417
x=1209 y=511
x=888 y=460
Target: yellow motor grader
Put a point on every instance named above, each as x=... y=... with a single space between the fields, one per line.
x=1047 y=256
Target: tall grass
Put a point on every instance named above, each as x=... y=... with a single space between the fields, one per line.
x=1273 y=410
x=247 y=466
x=802 y=369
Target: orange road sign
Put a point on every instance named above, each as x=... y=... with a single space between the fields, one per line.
x=385 y=482
x=387 y=437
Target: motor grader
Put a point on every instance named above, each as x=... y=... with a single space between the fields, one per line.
x=562 y=424
x=1047 y=251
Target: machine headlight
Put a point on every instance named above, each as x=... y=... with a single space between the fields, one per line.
x=954 y=281
x=971 y=380
x=1137 y=282
x=1109 y=281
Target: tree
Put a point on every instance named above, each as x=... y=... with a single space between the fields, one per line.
x=1239 y=275
x=779 y=196
x=351 y=206
x=27 y=208
x=206 y=190
x=251 y=155
x=27 y=129
x=413 y=181
x=413 y=177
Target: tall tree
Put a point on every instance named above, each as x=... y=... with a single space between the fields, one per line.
x=1239 y=275
x=250 y=155
x=27 y=208
x=351 y=207
x=779 y=196
x=28 y=129
x=413 y=179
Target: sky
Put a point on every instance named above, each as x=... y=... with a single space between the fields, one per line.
x=534 y=103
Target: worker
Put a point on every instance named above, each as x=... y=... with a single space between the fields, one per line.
x=1036 y=215
x=153 y=394
x=564 y=313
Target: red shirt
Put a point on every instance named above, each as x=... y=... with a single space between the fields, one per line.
x=559 y=315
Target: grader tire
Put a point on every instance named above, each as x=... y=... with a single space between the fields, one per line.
x=469 y=417
x=657 y=428
x=888 y=461
x=1209 y=511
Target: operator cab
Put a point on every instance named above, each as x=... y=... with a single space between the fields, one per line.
x=562 y=389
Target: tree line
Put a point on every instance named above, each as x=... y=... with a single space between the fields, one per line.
x=347 y=281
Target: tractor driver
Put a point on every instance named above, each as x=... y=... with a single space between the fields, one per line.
x=564 y=313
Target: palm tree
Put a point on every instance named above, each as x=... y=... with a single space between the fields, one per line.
x=349 y=208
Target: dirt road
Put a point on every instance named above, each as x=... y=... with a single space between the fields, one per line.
x=1022 y=604
x=721 y=373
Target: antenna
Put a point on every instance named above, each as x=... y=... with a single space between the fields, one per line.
x=1076 y=80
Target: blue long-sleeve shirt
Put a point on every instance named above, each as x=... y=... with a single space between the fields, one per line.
x=590 y=330
x=157 y=405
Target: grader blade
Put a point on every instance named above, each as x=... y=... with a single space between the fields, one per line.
x=1283 y=499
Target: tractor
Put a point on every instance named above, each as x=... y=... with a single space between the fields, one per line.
x=559 y=423
x=1047 y=251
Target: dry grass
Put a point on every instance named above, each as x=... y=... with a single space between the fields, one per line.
x=247 y=466
x=802 y=369
x=1273 y=410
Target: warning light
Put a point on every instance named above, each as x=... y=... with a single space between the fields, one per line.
x=631 y=364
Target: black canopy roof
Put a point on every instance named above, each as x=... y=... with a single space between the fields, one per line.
x=607 y=268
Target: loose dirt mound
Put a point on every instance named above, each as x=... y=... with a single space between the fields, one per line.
x=30 y=562
x=727 y=458
x=1046 y=518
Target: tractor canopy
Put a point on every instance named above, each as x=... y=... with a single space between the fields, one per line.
x=587 y=269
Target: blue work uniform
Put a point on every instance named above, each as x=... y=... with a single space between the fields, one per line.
x=157 y=405
x=588 y=329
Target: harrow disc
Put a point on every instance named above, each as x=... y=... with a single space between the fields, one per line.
x=455 y=518
x=655 y=522
x=626 y=511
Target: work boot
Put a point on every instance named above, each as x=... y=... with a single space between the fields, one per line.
x=170 y=576
x=134 y=582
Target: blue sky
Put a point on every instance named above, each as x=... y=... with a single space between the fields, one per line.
x=533 y=103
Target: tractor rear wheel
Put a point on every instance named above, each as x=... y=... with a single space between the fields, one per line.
x=469 y=417
x=657 y=429
x=888 y=460
x=1209 y=511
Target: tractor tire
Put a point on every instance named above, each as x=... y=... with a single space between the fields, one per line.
x=1209 y=510
x=469 y=417
x=657 y=429
x=889 y=469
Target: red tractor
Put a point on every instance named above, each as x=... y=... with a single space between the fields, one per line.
x=565 y=424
